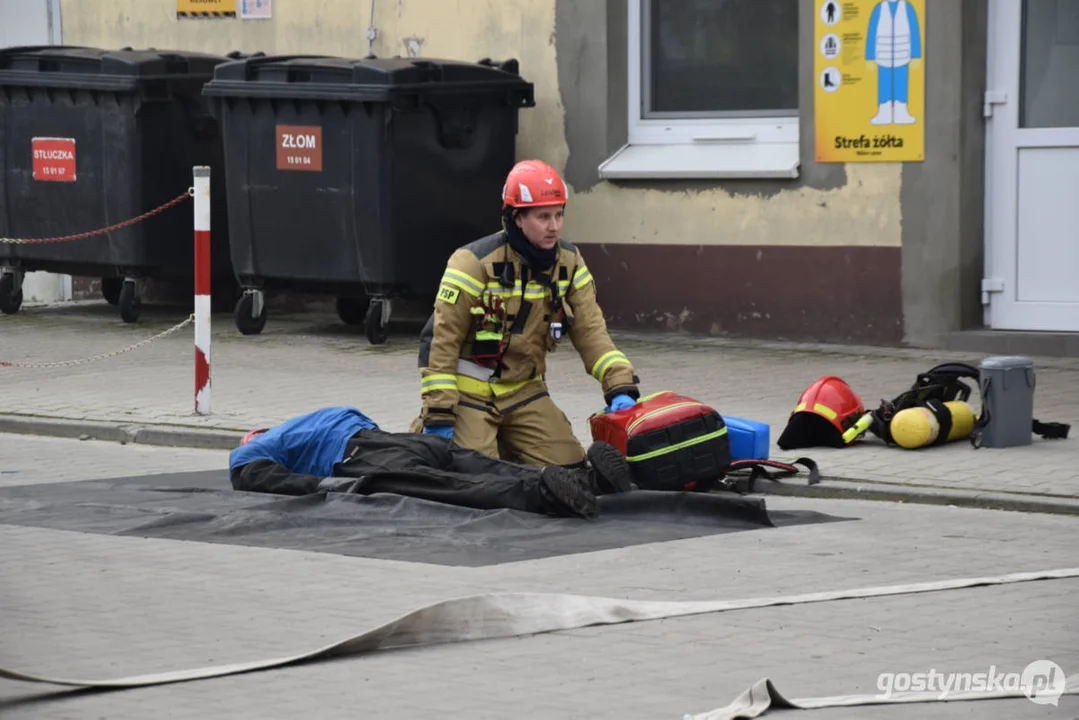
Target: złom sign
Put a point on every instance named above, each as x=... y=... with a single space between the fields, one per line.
x=299 y=147
x=53 y=159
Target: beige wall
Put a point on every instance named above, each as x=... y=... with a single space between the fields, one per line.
x=865 y=211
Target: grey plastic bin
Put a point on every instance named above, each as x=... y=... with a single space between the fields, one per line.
x=1007 y=388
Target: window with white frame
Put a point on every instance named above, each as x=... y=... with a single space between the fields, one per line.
x=713 y=90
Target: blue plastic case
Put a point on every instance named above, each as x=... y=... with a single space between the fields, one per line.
x=749 y=439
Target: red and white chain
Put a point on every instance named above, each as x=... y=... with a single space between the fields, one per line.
x=190 y=192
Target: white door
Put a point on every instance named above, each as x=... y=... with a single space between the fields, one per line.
x=35 y=22
x=1032 y=166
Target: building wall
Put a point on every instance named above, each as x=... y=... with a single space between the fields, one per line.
x=841 y=253
x=943 y=198
x=458 y=29
x=815 y=258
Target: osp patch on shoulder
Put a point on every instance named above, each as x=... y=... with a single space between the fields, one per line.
x=448 y=294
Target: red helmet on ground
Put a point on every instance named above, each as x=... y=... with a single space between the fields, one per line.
x=827 y=414
x=251 y=435
x=533 y=183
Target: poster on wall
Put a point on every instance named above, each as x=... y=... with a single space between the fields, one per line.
x=256 y=9
x=205 y=8
x=870 y=80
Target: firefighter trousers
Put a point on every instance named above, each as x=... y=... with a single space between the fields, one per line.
x=426 y=467
x=524 y=427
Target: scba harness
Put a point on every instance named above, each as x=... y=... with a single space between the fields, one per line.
x=943 y=384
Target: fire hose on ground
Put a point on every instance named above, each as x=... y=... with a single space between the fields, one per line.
x=504 y=615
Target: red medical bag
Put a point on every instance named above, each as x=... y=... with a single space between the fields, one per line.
x=672 y=442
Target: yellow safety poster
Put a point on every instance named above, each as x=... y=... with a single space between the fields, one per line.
x=870 y=80
x=205 y=8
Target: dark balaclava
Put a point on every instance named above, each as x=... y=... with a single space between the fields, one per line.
x=537 y=259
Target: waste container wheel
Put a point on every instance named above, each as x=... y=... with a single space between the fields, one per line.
x=10 y=299
x=245 y=322
x=376 y=329
x=129 y=302
x=352 y=311
x=110 y=289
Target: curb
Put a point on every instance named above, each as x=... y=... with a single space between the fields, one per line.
x=157 y=435
x=853 y=489
x=831 y=488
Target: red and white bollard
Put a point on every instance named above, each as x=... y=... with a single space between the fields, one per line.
x=202 y=290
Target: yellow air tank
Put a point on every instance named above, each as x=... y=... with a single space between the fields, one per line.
x=919 y=427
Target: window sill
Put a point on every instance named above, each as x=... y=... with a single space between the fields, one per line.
x=703 y=161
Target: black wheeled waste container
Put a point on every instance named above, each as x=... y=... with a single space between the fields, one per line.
x=90 y=138
x=358 y=178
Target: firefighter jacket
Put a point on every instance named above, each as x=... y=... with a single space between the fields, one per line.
x=495 y=319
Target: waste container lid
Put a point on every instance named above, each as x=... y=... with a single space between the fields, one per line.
x=1006 y=363
x=97 y=68
x=327 y=77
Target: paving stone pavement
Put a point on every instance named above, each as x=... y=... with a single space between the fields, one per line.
x=305 y=361
x=90 y=605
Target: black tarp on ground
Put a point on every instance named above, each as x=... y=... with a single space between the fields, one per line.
x=202 y=506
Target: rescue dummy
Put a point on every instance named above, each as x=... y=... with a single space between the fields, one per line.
x=339 y=449
x=504 y=302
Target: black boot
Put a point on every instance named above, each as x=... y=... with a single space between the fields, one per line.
x=610 y=470
x=567 y=492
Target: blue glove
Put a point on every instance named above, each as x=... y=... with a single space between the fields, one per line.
x=621 y=402
x=445 y=431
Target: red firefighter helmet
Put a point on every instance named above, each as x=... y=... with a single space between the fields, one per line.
x=251 y=435
x=533 y=183
x=824 y=415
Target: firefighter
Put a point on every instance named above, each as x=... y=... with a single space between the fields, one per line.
x=504 y=302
